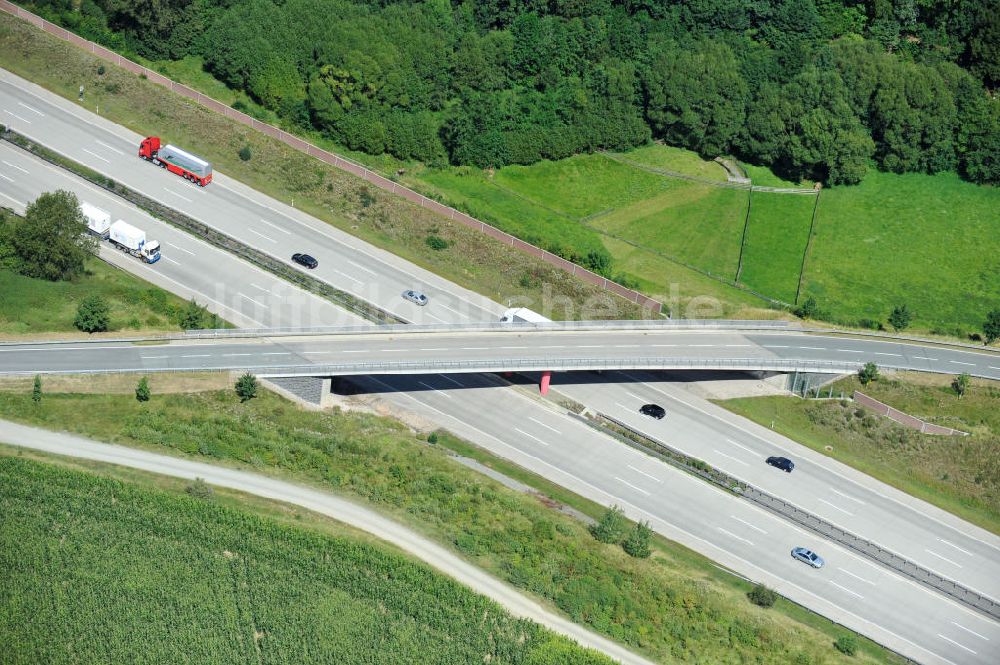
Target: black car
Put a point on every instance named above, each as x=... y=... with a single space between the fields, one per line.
x=782 y=463
x=305 y=260
x=653 y=411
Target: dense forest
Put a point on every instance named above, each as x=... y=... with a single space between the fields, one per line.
x=817 y=89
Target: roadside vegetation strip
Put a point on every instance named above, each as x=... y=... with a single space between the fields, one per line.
x=961 y=475
x=216 y=238
x=152 y=575
x=676 y=606
x=793 y=513
x=342 y=163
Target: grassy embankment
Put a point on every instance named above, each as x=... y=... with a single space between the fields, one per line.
x=676 y=606
x=126 y=571
x=958 y=474
x=472 y=259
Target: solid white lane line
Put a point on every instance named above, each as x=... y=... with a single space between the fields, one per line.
x=836 y=507
x=943 y=558
x=233 y=355
x=626 y=346
x=259 y=304
x=180 y=196
x=276 y=227
x=187 y=251
x=923 y=358
x=258 y=233
x=24 y=120
x=66 y=348
x=851 y=498
x=880 y=353
x=152 y=357
x=745 y=523
x=774 y=346
x=555 y=346
x=259 y=288
x=637 y=489
x=530 y=436
x=959 y=362
x=955 y=546
x=354 y=351
x=434 y=389
x=857 y=577
x=844 y=588
x=199 y=355
x=961 y=646
x=812 y=348
x=539 y=422
x=391 y=350
x=754 y=452
x=514 y=347
x=738 y=461
x=958 y=625
x=314 y=353
x=733 y=535
x=15 y=166
x=277 y=353
x=640 y=471
x=31 y=109
x=94 y=154
x=849 y=351
x=109 y=147
x=448 y=378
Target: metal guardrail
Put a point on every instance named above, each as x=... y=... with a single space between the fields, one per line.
x=803 y=518
x=487 y=365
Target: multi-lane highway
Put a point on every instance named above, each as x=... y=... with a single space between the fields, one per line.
x=894 y=611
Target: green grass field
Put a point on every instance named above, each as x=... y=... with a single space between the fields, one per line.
x=675 y=607
x=776 y=241
x=959 y=474
x=99 y=570
x=29 y=306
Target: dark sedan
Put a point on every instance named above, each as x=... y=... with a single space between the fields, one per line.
x=305 y=260
x=782 y=463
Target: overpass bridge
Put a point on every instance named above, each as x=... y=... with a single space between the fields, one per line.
x=479 y=348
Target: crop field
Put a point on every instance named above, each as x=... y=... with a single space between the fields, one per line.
x=675 y=607
x=98 y=570
x=958 y=474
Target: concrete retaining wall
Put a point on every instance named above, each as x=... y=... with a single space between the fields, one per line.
x=904 y=419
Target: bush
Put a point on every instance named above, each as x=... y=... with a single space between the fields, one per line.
x=246 y=387
x=808 y=309
x=93 y=314
x=437 y=243
x=100 y=70
x=432 y=438
x=142 y=390
x=847 y=645
x=245 y=153
x=900 y=317
x=961 y=384
x=870 y=324
x=637 y=543
x=36 y=390
x=612 y=527
x=199 y=489
x=868 y=373
x=761 y=596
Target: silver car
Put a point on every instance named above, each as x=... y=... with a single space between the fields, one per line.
x=808 y=557
x=415 y=297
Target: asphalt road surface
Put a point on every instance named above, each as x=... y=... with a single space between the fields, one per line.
x=332 y=506
x=894 y=611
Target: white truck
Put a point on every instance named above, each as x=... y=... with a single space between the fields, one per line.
x=522 y=315
x=133 y=241
x=98 y=221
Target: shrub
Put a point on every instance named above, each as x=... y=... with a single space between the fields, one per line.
x=808 y=309
x=870 y=324
x=93 y=314
x=142 y=390
x=36 y=390
x=961 y=384
x=991 y=327
x=436 y=243
x=847 y=645
x=246 y=387
x=199 y=489
x=245 y=153
x=900 y=317
x=100 y=70
x=612 y=526
x=432 y=438
x=637 y=543
x=762 y=596
x=868 y=373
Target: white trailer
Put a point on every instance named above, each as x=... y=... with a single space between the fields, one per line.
x=98 y=221
x=133 y=241
x=523 y=315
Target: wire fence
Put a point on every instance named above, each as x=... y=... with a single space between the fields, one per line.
x=336 y=161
